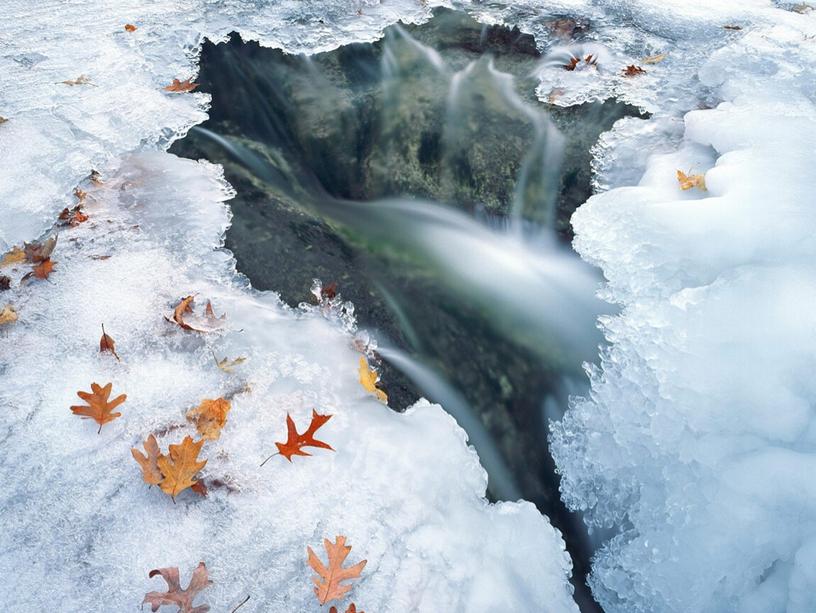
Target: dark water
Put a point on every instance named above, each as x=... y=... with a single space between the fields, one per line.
x=303 y=139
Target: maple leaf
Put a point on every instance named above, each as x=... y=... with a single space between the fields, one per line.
x=80 y=80
x=98 y=408
x=149 y=463
x=228 y=365
x=690 y=181
x=654 y=59
x=5 y=283
x=632 y=71
x=328 y=583
x=352 y=608
x=106 y=343
x=208 y=323
x=295 y=442
x=37 y=252
x=210 y=416
x=129 y=27
x=15 y=256
x=182 y=598
x=181 y=86
x=7 y=315
x=179 y=466
x=368 y=379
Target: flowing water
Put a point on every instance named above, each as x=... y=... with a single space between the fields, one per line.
x=420 y=174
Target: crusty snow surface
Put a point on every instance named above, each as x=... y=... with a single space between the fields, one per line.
x=697 y=440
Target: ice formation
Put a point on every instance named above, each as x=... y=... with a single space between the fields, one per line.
x=80 y=528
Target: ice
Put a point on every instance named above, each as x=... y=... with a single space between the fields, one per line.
x=80 y=528
x=697 y=439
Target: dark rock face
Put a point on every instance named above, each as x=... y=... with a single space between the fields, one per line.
x=429 y=112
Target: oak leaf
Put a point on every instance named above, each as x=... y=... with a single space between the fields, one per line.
x=43 y=269
x=352 y=608
x=15 y=256
x=149 y=461
x=295 y=442
x=368 y=379
x=8 y=315
x=182 y=598
x=99 y=408
x=183 y=314
x=210 y=416
x=181 y=86
x=106 y=343
x=328 y=582
x=690 y=181
x=632 y=71
x=180 y=466
x=38 y=252
x=129 y=27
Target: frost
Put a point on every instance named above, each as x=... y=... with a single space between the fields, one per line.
x=80 y=528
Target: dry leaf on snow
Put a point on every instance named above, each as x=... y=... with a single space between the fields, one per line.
x=99 y=408
x=149 y=462
x=80 y=80
x=129 y=27
x=690 y=181
x=5 y=283
x=296 y=442
x=228 y=365
x=15 y=256
x=181 y=86
x=7 y=315
x=184 y=317
x=352 y=608
x=38 y=252
x=329 y=582
x=180 y=466
x=73 y=217
x=106 y=343
x=654 y=59
x=210 y=417
x=369 y=378
x=632 y=71
x=174 y=595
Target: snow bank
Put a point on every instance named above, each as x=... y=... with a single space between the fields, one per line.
x=697 y=440
x=80 y=528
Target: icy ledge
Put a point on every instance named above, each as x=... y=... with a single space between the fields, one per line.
x=698 y=440
x=80 y=528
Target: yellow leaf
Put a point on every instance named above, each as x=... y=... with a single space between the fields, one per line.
x=8 y=315
x=690 y=181
x=654 y=59
x=368 y=379
x=149 y=463
x=180 y=466
x=228 y=365
x=210 y=416
x=15 y=256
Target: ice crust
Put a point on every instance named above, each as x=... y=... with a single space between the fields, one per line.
x=80 y=528
x=697 y=439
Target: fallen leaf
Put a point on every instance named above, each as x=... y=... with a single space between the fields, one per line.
x=3 y=119
x=633 y=71
x=329 y=292
x=368 y=379
x=690 y=181
x=129 y=27
x=732 y=27
x=199 y=488
x=99 y=409
x=95 y=177
x=174 y=595
x=149 y=462
x=106 y=343
x=352 y=608
x=5 y=283
x=328 y=583
x=654 y=59
x=73 y=217
x=7 y=315
x=295 y=442
x=37 y=252
x=228 y=365
x=15 y=256
x=180 y=466
x=80 y=80
x=208 y=323
x=41 y=270
x=210 y=416
x=181 y=86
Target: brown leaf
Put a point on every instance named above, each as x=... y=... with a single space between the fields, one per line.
x=73 y=217
x=369 y=378
x=183 y=599
x=352 y=608
x=80 y=80
x=206 y=323
x=632 y=71
x=210 y=416
x=149 y=463
x=43 y=269
x=181 y=86
x=329 y=292
x=3 y=120
x=328 y=583
x=15 y=256
x=199 y=488
x=98 y=408
x=129 y=27
x=690 y=181
x=295 y=442
x=180 y=466
x=37 y=252
x=654 y=59
x=5 y=283
x=732 y=27
x=8 y=315
x=106 y=343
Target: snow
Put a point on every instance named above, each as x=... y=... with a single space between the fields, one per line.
x=80 y=528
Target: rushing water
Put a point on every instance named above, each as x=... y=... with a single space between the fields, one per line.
x=434 y=189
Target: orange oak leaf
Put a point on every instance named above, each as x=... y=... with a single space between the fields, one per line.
x=43 y=269
x=295 y=442
x=106 y=343
x=690 y=181
x=181 y=86
x=129 y=27
x=352 y=608
x=183 y=314
x=632 y=71
x=149 y=463
x=99 y=408
x=328 y=582
x=368 y=379
x=180 y=466
x=210 y=416
x=182 y=598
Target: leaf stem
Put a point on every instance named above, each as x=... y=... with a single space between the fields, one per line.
x=270 y=457
x=243 y=602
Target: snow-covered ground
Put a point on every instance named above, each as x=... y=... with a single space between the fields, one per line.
x=697 y=439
